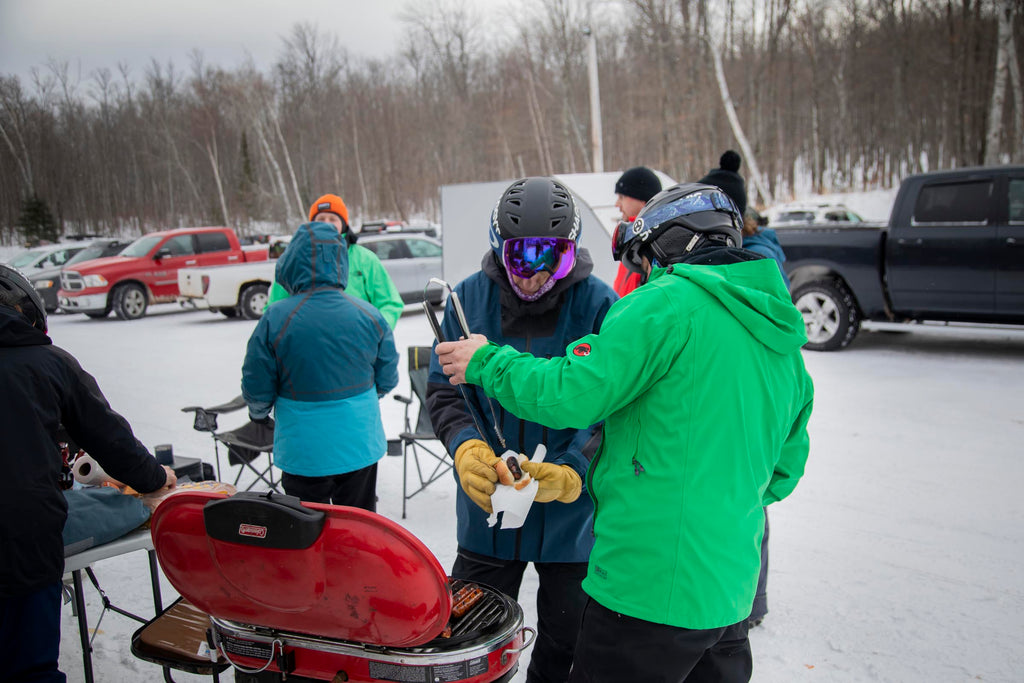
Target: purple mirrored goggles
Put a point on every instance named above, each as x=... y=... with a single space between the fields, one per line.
x=526 y=256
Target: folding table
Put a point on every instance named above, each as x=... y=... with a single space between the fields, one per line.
x=74 y=565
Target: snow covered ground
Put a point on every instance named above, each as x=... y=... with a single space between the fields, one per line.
x=898 y=558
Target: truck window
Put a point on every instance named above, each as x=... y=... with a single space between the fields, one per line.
x=1016 y=194
x=180 y=245
x=212 y=241
x=959 y=202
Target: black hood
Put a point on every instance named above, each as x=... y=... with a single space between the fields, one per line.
x=15 y=330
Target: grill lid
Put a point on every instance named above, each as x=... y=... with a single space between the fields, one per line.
x=361 y=578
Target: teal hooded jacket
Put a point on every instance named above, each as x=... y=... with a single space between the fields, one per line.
x=320 y=359
x=700 y=380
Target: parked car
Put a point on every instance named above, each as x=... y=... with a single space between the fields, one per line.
x=146 y=271
x=951 y=252
x=48 y=256
x=411 y=259
x=47 y=280
x=815 y=213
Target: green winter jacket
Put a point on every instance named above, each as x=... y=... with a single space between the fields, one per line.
x=699 y=378
x=367 y=280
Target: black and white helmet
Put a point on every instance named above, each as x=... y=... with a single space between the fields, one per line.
x=16 y=290
x=675 y=222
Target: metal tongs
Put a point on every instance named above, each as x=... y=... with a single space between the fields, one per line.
x=460 y=315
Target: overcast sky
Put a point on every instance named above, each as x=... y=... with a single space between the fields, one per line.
x=91 y=34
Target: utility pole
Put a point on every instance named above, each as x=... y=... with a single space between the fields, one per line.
x=596 y=146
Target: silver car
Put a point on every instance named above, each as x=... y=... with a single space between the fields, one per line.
x=410 y=258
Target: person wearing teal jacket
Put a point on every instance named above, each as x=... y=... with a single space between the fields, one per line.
x=367 y=279
x=321 y=359
x=700 y=381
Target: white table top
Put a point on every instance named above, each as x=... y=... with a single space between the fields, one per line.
x=140 y=539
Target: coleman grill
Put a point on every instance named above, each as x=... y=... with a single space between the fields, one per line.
x=283 y=590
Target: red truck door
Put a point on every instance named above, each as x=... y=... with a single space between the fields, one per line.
x=170 y=255
x=1010 y=243
x=943 y=260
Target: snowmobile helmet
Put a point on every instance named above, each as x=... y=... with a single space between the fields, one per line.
x=17 y=291
x=674 y=223
x=535 y=207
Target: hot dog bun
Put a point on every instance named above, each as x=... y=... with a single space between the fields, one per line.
x=522 y=483
x=504 y=475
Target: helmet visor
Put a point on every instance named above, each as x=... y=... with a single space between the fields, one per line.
x=697 y=202
x=526 y=256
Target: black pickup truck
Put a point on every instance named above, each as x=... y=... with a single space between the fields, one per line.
x=953 y=250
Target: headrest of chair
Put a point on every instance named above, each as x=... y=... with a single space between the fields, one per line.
x=267 y=520
x=419 y=357
x=204 y=421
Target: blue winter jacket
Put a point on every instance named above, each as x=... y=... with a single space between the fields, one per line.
x=321 y=359
x=575 y=307
x=767 y=244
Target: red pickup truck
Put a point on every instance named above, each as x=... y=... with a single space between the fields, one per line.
x=147 y=271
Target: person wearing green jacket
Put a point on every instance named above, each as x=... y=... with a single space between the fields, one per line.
x=700 y=381
x=367 y=279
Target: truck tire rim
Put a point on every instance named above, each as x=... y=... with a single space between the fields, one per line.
x=821 y=316
x=257 y=302
x=134 y=302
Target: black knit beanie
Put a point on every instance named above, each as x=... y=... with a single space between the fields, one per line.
x=638 y=182
x=730 y=161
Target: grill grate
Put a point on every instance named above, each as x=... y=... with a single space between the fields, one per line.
x=480 y=620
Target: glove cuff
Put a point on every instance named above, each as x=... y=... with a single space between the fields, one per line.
x=466 y=446
x=573 y=488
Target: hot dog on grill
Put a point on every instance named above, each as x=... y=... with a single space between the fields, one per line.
x=465 y=598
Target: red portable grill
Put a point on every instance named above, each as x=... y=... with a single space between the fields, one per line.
x=306 y=591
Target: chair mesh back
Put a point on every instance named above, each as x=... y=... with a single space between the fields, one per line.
x=419 y=369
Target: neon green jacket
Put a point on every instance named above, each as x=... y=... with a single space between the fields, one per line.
x=367 y=280
x=699 y=378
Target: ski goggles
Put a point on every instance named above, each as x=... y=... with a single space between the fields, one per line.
x=527 y=256
x=697 y=202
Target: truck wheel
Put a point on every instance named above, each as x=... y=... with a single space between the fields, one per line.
x=253 y=301
x=830 y=314
x=130 y=301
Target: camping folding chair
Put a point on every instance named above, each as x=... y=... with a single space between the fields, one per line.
x=245 y=444
x=435 y=459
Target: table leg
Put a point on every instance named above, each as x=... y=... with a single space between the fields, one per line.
x=83 y=625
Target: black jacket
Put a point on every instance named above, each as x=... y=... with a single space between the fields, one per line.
x=731 y=183
x=41 y=388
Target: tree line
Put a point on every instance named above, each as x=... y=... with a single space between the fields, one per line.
x=841 y=94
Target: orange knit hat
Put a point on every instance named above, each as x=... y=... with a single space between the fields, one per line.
x=329 y=203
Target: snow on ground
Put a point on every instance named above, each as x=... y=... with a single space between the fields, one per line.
x=898 y=558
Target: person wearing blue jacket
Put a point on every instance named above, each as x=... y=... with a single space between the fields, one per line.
x=534 y=291
x=763 y=241
x=321 y=359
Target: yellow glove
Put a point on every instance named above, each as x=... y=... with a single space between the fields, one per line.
x=554 y=482
x=474 y=461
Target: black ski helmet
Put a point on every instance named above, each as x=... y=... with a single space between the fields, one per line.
x=16 y=290
x=534 y=207
x=675 y=222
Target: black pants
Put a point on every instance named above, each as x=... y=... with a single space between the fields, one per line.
x=560 y=602
x=613 y=648
x=761 y=596
x=30 y=634
x=356 y=489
